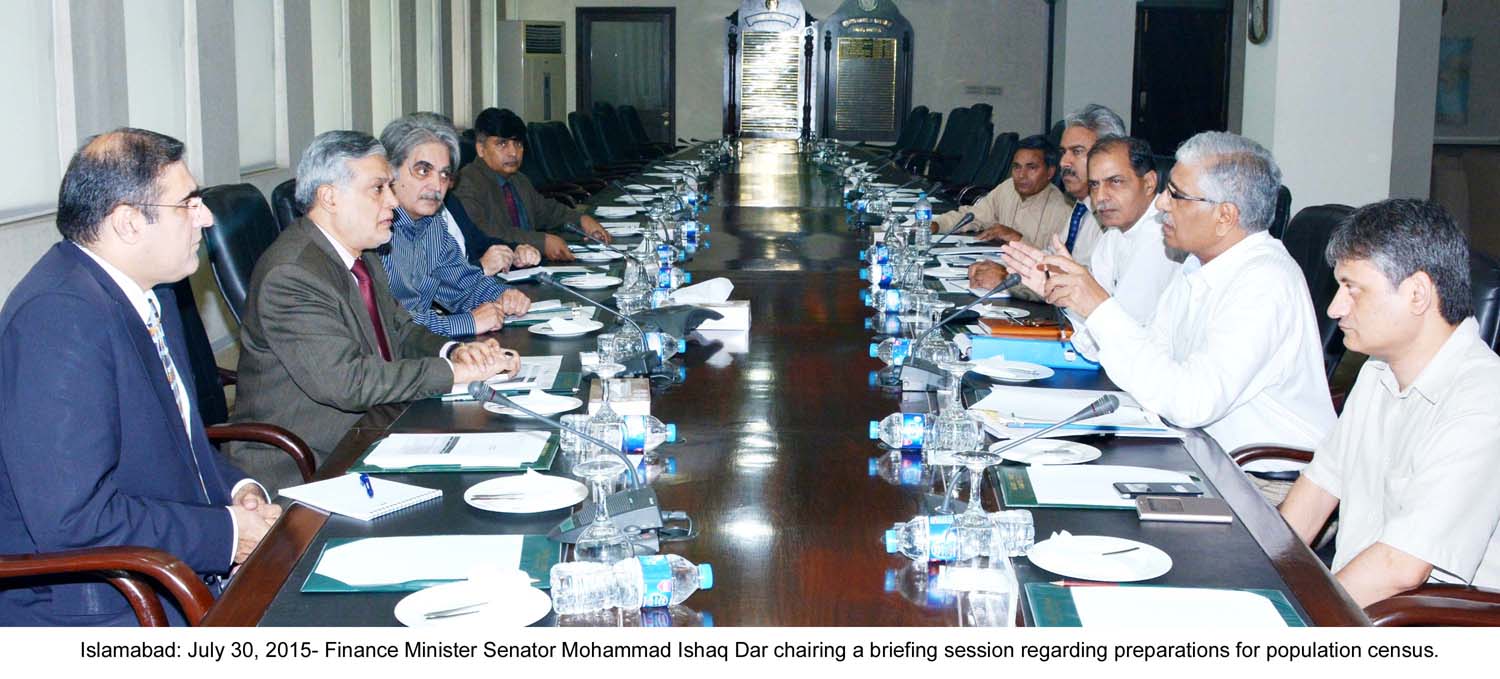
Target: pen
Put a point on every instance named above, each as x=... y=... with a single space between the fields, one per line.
x=1083 y=583
x=364 y=480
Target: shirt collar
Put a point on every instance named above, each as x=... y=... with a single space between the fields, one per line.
x=1141 y=228
x=1441 y=370
x=344 y=256
x=1042 y=195
x=144 y=301
x=1223 y=267
x=409 y=226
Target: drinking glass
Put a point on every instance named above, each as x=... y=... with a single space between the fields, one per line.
x=976 y=531
x=602 y=541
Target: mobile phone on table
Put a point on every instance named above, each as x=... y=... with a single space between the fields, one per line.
x=1137 y=489
x=1183 y=509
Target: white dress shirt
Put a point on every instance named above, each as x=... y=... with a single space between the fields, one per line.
x=1416 y=468
x=1134 y=267
x=458 y=235
x=1233 y=347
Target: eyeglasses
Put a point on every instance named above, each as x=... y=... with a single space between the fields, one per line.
x=1177 y=194
x=194 y=202
x=423 y=169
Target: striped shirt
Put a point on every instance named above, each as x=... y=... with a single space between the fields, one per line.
x=428 y=268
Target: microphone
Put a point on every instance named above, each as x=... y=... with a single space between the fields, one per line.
x=485 y=393
x=548 y=280
x=576 y=230
x=1009 y=282
x=968 y=217
x=1103 y=405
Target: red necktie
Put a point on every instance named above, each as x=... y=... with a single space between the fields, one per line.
x=513 y=207
x=367 y=291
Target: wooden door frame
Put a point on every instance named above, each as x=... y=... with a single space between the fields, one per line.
x=584 y=16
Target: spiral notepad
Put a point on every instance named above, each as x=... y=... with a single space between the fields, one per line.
x=347 y=496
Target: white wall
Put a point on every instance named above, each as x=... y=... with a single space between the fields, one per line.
x=1094 y=60
x=988 y=43
x=172 y=66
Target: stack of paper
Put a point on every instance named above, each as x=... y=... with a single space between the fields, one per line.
x=374 y=562
x=1077 y=485
x=1014 y=411
x=502 y=449
x=536 y=372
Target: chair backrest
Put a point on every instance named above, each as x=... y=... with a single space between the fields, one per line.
x=284 y=204
x=975 y=153
x=538 y=156
x=572 y=157
x=911 y=128
x=996 y=167
x=984 y=112
x=631 y=118
x=955 y=136
x=586 y=134
x=1283 y=212
x=243 y=228
x=930 y=132
x=1485 y=281
x=1054 y=135
x=532 y=163
x=615 y=138
x=1306 y=239
x=212 y=406
x=466 y=151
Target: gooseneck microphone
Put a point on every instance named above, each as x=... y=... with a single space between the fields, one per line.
x=1101 y=406
x=968 y=217
x=485 y=393
x=548 y=280
x=578 y=231
x=1009 y=282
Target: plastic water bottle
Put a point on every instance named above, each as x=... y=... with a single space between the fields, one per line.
x=665 y=346
x=921 y=213
x=689 y=230
x=875 y=254
x=884 y=324
x=876 y=274
x=924 y=538
x=907 y=431
x=643 y=433
x=640 y=582
x=670 y=278
x=891 y=350
x=889 y=301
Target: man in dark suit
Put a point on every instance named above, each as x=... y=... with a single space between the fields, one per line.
x=502 y=201
x=322 y=339
x=101 y=443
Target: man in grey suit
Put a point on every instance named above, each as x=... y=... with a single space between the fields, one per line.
x=503 y=202
x=322 y=339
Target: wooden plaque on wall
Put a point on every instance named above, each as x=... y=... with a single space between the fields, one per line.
x=867 y=57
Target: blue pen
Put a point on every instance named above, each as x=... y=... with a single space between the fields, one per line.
x=364 y=480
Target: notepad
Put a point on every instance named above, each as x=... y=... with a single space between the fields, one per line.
x=346 y=495
x=509 y=449
x=1089 y=486
x=1150 y=606
x=536 y=372
x=408 y=563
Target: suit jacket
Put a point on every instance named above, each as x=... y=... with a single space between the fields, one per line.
x=309 y=360
x=476 y=242
x=93 y=451
x=479 y=191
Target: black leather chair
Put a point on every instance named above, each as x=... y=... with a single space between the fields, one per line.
x=1283 y=212
x=1485 y=282
x=243 y=228
x=573 y=157
x=588 y=138
x=631 y=119
x=548 y=151
x=541 y=174
x=1054 y=135
x=927 y=140
x=1163 y=171
x=466 y=151
x=284 y=204
x=984 y=113
x=621 y=144
x=940 y=161
x=911 y=129
x=1306 y=239
x=974 y=156
x=994 y=171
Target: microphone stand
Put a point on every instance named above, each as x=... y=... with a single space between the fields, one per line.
x=548 y=280
x=1103 y=405
x=485 y=393
x=1010 y=281
x=968 y=217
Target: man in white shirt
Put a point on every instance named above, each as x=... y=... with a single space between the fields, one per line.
x=1081 y=129
x=1233 y=344
x=1130 y=261
x=1412 y=462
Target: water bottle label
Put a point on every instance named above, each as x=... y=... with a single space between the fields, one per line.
x=913 y=428
x=900 y=348
x=664 y=278
x=893 y=301
x=922 y=215
x=656 y=580
x=942 y=545
x=635 y=434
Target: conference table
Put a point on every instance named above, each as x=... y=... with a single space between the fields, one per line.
x=789 y=497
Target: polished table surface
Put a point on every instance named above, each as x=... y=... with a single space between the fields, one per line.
x=773 y=463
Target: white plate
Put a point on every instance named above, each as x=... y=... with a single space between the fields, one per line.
x=591 y=282
x=1011 y=371
x=538 y=493
x=537 y=402
x=947 y=272
x=623 y=231
x=546 y=329
x=509 y=606
x=1043 y=451
x=1082 y=557
x=999 y=311
x=597 y=256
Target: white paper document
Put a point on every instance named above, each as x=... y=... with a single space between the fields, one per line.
x=555 y=311
x=711 y=291
x=1013 y=411
x=348 y=496
x=1173 y=607
x=501 y=449
x=391 y=561
x=517 y=275
x=1093 y=485
x=536 y=372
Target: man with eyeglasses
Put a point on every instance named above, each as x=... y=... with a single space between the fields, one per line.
x=1233 y=344
x=1130 y=261
x=102 y=443
x=426 y=264
x=503 y=201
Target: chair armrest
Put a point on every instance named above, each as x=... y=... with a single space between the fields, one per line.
x=972 y=193
x=271 y=435
x=1438 y=605
x=1249 y=454
x=122 y=566
x=228 y=377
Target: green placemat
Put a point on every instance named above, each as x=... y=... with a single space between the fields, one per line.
x=566 y=384
x=538 y=554
x=1015 y=490
x=543 y=463
x=1052 y=605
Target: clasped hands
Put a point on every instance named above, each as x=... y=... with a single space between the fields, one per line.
x=481 y=360
x=501 y=258
x=491 y=316
x=253 y=517
x=1058 y=278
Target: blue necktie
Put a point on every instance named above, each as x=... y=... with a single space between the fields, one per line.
x=1079 y=211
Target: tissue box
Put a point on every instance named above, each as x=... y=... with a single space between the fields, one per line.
x=1048 y=352
x=630 y=396
x=736 y=315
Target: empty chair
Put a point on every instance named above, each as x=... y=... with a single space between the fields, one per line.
x=631 y=119
x=616 y=138
x=940 y=161
x=974 y=156
x=284 y=204
x=1306 y=239
x=466 y=150
x=243 y=228
x=984 y=113
x=1484 y=272
x=589 y=140
x=911 y=130
x=1283 y=212
x=994 y=171
x=1055 y=134
x=573 y=157
x=929 y=135
x=535 y=169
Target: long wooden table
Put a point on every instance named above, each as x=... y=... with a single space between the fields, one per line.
x=774 y=464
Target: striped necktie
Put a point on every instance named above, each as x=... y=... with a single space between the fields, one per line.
x=1079 y=211
x=179 y=391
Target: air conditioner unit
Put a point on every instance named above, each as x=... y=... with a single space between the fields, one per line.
x=531 y=70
